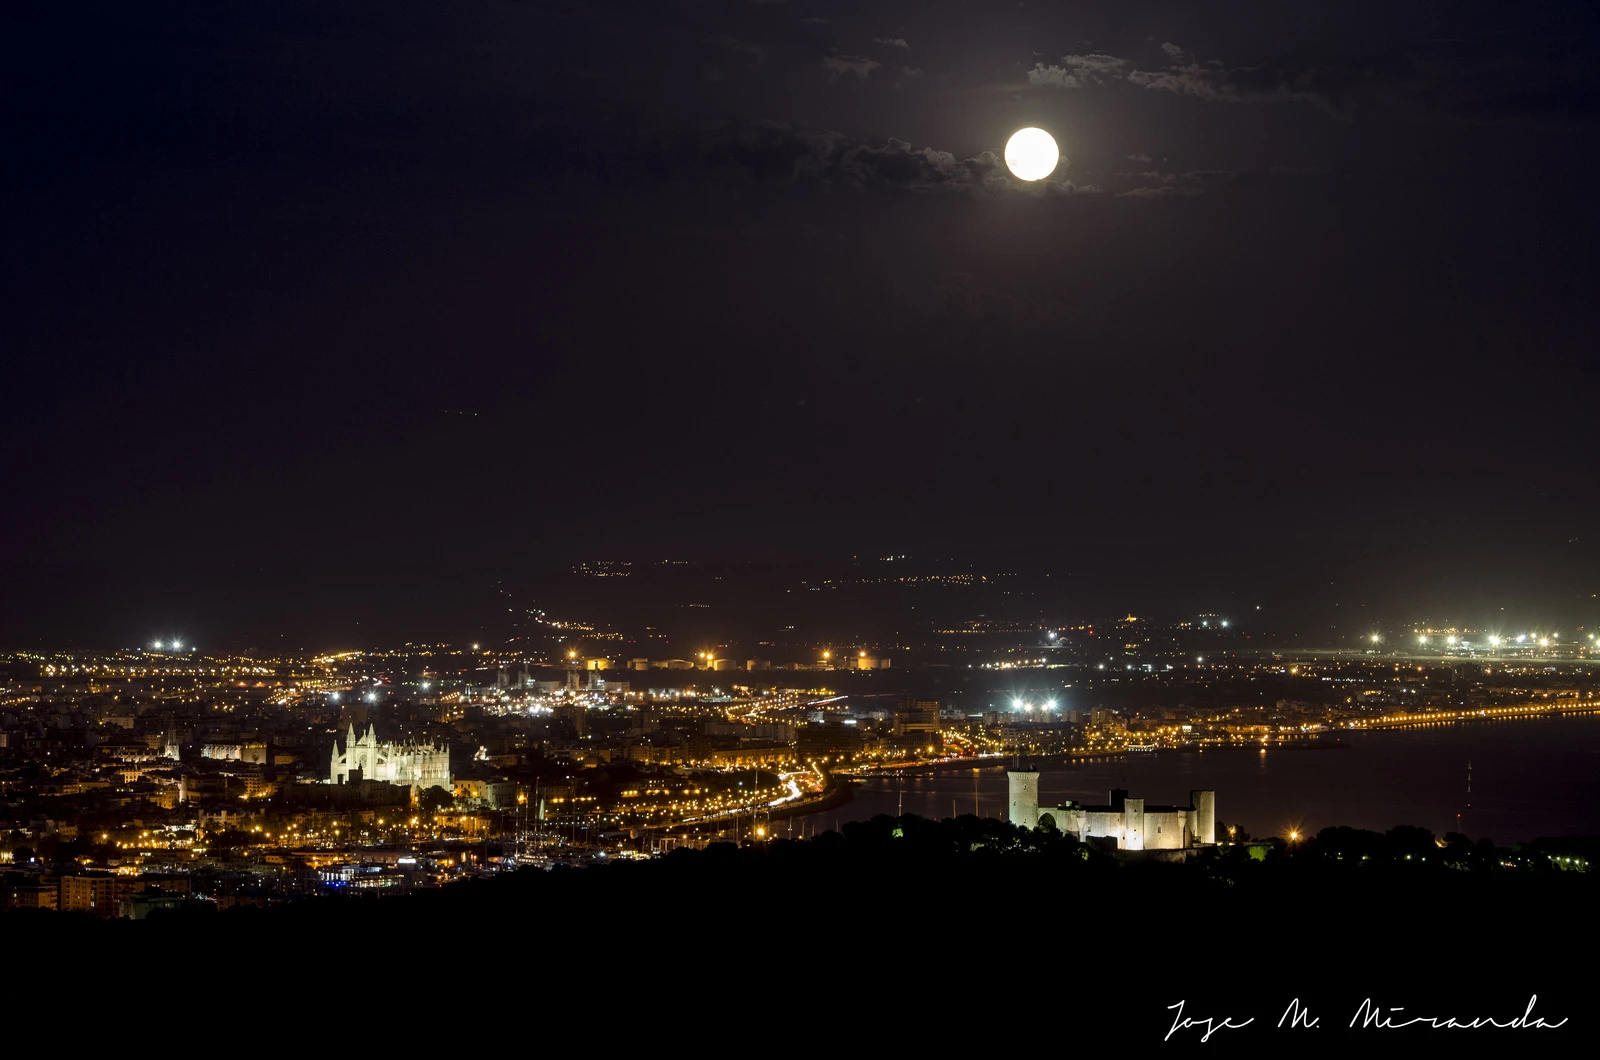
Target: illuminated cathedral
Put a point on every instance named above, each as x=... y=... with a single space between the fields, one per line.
x=418 y=766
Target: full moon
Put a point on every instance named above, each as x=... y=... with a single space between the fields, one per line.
x=1031 y=154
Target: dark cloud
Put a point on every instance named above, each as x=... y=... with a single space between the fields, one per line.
x=1163 y=185
x=1487 y=77
x=839 y=65
x=734 y=44
x=893 y=42
x=1211 y=82
x=639 y=152
x=1215 y=83
x=1079 y=71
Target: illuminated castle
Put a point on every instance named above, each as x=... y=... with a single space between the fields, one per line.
x=1130 y=822
x=416 y=765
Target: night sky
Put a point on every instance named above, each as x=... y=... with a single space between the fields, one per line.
x=328 y=313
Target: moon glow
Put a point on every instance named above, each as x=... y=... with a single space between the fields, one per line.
x=1031 y=154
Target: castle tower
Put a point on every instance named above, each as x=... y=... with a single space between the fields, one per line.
x=1132 y=824
x=1024 y=790
x=1205 y=816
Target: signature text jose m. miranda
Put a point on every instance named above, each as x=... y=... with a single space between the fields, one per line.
x=1368 y=1016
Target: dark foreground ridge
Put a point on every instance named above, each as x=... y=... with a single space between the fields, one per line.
x=940 y=923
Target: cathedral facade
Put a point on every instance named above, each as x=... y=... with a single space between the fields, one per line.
x=418 y=766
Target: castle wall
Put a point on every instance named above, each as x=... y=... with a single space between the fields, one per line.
x=1166 y=831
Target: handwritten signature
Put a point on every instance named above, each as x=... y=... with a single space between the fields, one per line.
x=1368 y=1016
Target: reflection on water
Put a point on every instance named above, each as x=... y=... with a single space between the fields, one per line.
x=1530 y=778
